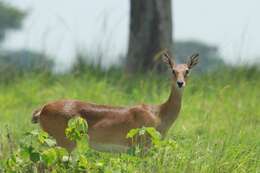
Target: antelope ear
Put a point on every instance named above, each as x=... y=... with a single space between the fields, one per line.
x=167 y=59
x=193 y=60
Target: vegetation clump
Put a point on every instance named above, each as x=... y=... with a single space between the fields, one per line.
x=217 y=130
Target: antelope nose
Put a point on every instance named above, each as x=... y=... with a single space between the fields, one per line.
x=180 y=84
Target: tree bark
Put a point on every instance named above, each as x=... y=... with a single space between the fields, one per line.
x=150 y=32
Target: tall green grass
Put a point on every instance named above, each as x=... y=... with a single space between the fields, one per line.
x=218 y=129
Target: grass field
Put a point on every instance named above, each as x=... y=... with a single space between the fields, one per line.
x=218 y=129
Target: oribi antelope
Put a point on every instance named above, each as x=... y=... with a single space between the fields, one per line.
x=109 y=125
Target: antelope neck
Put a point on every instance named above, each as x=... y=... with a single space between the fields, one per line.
x=170 y=109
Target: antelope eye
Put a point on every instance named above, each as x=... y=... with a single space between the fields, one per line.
x=187 y=71
x=173 y=72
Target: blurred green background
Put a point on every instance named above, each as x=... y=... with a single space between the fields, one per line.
x=219 y=125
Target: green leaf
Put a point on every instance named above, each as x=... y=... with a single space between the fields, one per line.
x=77 y=128
x=49 y=156
x=34 y=156
x=82 y=162
x=42 y=136
x=61 y=152
x=50 y=142
x=155 y=135
x=32 y=133
x=132 y=133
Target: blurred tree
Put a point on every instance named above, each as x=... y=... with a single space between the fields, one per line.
x=10 y=18
x=25 y=60
x=210 y=58
x=17 y=63
x=150 y=32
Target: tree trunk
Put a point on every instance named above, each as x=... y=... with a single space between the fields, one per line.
x=150 y=32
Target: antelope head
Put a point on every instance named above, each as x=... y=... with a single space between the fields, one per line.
x=180 y=71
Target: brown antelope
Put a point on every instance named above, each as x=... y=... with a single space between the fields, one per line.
x=109 y=125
